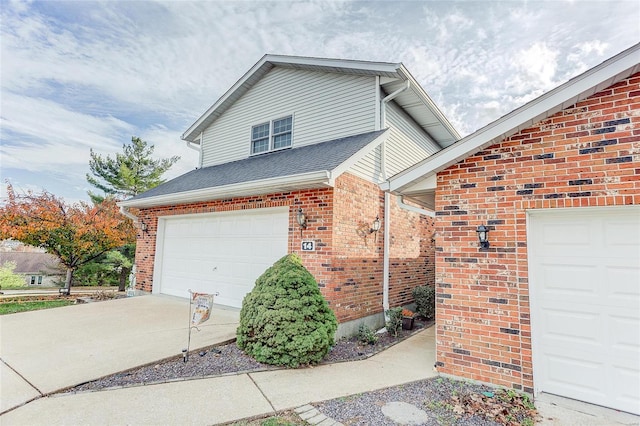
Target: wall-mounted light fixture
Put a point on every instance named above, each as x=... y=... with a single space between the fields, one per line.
x=143 y=226
x=301 y=218
x=375 y=227
x=483 y=236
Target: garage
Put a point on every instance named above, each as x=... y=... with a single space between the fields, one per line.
x=221 y=252
x=584 y=271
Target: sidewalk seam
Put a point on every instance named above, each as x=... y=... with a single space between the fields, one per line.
x=28 y=382
x=261 y=392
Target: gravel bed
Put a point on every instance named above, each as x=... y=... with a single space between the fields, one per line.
x=433 y=396
x=228 y=359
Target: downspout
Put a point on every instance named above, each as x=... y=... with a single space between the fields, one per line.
x=197 y=147
x=387 y=199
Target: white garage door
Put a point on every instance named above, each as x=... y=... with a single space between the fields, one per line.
x=584 y=269
x=220 y=252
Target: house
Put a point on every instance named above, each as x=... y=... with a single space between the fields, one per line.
x=553 y=303
x=38 y=269
x=290 y=161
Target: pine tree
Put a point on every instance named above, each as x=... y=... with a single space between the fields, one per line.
x=130 y=173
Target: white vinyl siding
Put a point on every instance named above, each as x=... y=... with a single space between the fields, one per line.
x=324 y=106
x=369 y=167
x=407 y=145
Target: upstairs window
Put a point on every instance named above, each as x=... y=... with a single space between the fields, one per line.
x=271 y=136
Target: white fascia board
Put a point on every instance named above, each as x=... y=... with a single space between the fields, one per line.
x=576 y=89
x=359 y=155
x=239 y=189
x=350 y=64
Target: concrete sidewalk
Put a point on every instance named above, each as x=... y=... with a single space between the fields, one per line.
x=233 y=397
x=52 y=349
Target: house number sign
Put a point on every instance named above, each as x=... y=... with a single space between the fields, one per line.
x=308 y=246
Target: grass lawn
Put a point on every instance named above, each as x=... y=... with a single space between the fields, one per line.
x=23 y=306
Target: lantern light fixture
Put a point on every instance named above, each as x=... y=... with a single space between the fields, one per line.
x=483 y=236
x=301 y=218
x=375 y=226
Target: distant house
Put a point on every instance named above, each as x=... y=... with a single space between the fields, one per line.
x=39 y=269
x=299 y=136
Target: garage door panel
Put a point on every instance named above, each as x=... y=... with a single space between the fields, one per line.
x=222 y=252
x=628 y=391
x=584 y=271
x=568 y=277
x=623 y=282
x=574 y=374
x=627 y=329
x=573 y=326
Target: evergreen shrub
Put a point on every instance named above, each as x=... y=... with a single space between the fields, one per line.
x=425 y=298
x=285 y=320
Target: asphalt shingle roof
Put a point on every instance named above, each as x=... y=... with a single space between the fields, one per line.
x=32 y=262
x=307 y=159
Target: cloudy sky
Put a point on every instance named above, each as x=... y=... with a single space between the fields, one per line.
x=79 y=75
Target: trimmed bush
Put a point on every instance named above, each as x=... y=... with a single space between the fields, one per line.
x=425 y=297
x=285 y=320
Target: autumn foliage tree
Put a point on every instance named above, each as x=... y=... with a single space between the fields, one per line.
x=75 y=233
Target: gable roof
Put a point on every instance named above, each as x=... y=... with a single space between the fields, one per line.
x=32 y=262
x=304 y=167
x=418 y=180
x=394 y=76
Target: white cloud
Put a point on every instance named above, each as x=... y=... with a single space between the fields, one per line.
x=77 y=75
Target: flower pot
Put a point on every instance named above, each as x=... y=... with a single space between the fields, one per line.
x=407 y=323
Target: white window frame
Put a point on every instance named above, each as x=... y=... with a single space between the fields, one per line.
x=272 y=135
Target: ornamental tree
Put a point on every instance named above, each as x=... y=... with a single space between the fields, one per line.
x=75 y=233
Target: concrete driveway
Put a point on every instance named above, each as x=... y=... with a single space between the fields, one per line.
x=44 y=351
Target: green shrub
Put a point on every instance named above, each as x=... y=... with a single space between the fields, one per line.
x=367 y=336
x=425 y=297
x=394 y=321
x=285 y=320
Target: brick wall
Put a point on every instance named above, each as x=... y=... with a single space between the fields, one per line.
x=586 y=155
x=412 y=253
x=348 y=260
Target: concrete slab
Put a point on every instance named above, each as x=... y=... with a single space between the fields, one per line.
x=558 y=411
x=288 y=389
x=193 y=402
x=14 y=390
x=57 y=348
x=404 y=413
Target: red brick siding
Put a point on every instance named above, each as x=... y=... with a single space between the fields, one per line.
x=412 y=253
x=586 y=155
x=348 y=261
x=357 y=259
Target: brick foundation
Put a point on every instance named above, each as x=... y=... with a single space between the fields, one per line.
x=586 y=155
